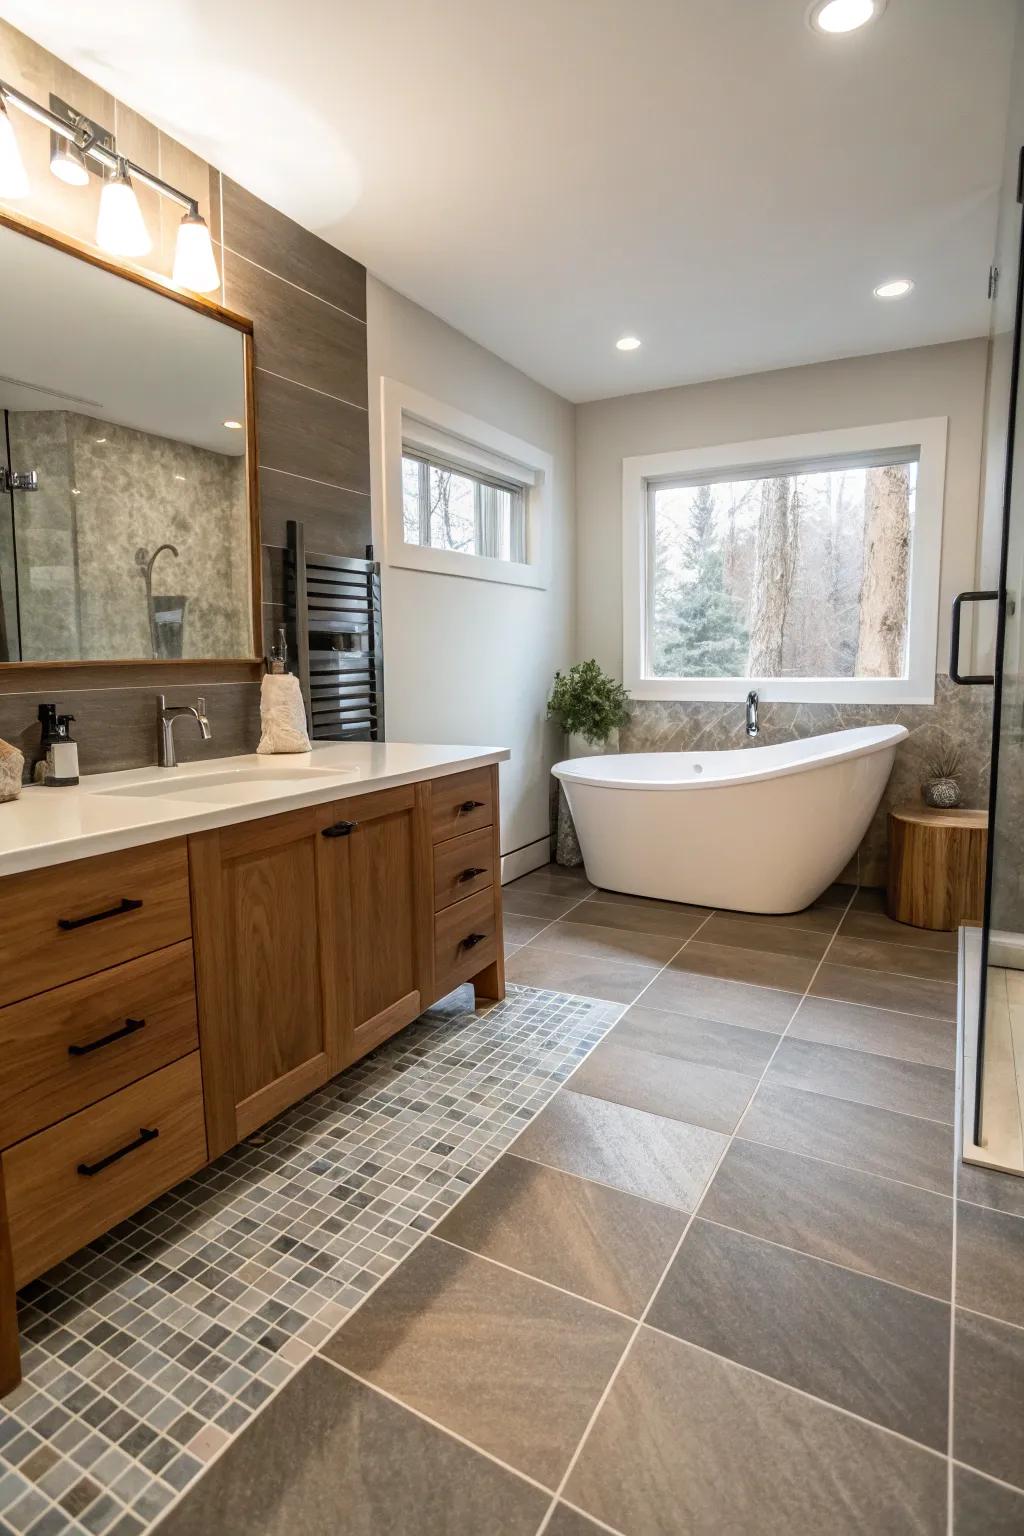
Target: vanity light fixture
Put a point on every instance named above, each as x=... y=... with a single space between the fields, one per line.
x=896 y=288
x=67 y=162
x=628 y=343
x=236 y=426
x=837 y=16
x=120 y=228
x=13 y=177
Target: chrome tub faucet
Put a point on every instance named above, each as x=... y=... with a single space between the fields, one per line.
x=752 y=725
x=166 y=716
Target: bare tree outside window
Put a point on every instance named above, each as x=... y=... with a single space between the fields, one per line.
x=447 y=508
x=803 y=574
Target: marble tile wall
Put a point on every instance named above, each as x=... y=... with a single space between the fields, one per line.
x=959 y=717
x=307 y=301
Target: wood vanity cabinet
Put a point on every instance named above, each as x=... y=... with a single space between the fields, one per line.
x=160 y=1004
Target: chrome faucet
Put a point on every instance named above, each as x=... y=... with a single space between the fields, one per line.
x=166 y=716
x=752 y=725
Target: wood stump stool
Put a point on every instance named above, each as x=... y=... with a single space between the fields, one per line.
x=936 y=866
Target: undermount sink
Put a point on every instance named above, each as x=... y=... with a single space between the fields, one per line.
x=234 y=786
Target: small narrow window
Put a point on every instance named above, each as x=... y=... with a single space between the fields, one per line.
x=448 y=507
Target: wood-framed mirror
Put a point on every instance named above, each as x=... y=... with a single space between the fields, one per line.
x=129 y=516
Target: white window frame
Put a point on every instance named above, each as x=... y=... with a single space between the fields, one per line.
x=409 y=417
x=928 y=435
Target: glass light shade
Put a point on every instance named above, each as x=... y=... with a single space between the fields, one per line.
x=120 y=227
x=13 y=177
x=68 y=164
x=844 y=15
x=194 y=265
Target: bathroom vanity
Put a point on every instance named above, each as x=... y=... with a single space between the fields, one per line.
x=184 y=954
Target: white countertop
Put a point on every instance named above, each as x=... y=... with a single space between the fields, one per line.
x=108 y=811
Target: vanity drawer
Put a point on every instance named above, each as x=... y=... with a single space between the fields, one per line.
x=463 y=866
x=455 y=957
x=72 y=920
x=68 y=1184
x=463 y=802
x=77 y=1043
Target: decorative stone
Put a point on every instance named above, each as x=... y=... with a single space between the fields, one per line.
x=941 y=794
x=12 y=764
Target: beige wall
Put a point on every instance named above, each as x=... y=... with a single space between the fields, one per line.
x=946 y=380
x=472 y=661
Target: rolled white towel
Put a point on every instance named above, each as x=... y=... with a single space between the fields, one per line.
x=282 y=715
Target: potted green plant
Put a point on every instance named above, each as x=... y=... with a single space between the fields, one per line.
x=590 y=707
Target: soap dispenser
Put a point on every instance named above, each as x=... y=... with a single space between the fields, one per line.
x=59 y=767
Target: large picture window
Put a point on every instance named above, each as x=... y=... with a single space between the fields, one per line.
x=806 y=572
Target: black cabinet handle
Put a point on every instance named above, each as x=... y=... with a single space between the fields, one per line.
x=472 y=939
x=470 y=805
x=340 y=829
x=126 y=904
x=130 y=1027
x=88 y=1169
x=470 y=874
x=954 y=639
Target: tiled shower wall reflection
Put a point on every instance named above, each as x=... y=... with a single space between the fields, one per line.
x=960 y=719
x=307 y=302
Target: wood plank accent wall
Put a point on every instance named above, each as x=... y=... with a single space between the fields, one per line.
x=308 y=304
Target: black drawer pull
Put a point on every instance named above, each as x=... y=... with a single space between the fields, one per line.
x=340 y=829
x=471 y=805
x=130 y=1027
x=470 y=874
x=472 y=939
x=126 y=904
x=88 y=1169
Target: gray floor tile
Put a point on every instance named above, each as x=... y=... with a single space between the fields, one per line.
x=537 y=903
x=862 y=924
x=989 y=1187
x=569 y=1522
x=867 y=1224
x=688 y=1442
x=639 y=917
x=553 y=880
x=873 y=1348
x=328 y=1444
x=981 y=1508
x=879 y=989
x=520 y=930
x=902 y=959
x=817 y=919
x=617 y=944
x=988 y=1397
x=990 y=1262
x=665 y=1085
x=600 y=1243
x=907 y=1087
x=929 y=1041
x=626 y=899
x=788 y=973
x=765 y=937
x=647 y=1155
x=512 y=1365
x=729 y=1002
x=578 y=975
x=705 y=1041
x=856 y=1135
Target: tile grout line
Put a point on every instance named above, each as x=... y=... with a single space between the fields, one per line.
x=606 y=1393
x=300 y=384
x=536 y=1279
x=271 y=273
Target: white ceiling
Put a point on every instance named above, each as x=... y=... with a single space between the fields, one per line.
x=711 y=175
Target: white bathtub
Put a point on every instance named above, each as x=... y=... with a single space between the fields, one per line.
x=758 y=829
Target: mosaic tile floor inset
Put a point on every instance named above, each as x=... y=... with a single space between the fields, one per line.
x=147 y=1351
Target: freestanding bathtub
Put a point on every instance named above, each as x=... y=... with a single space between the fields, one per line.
x=758 y=829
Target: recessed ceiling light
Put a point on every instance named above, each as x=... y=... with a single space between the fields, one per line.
x=834 y=16
x=628 y=343
x=99 y=439
x=896 y=288
x=236 y=426
x=179 y=477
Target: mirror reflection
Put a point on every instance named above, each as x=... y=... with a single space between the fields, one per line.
x=124 y=513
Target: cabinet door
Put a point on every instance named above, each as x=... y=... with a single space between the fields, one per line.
x=381 y=875
x=263 y=920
